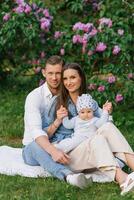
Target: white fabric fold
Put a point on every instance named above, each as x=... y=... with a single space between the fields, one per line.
x=11 y=163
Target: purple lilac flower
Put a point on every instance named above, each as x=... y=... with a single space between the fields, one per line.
x=101 y=47
x=77 y=39
x=37 y=70
x=87 y=27
x=78 y=26
x=92 y=86
x=95 y=6
x=121 y=32
x=46 y=13
x=34 y=6
x=93 y=32
x=45 y=23
x=116 y=50
x=130 y=75
x=35 y=62
x=57 y=34
x=111 y=79
x=118 y=98
x=84 y=27
x=19 y=9
x=27 y=9
x=6 y=17
x=42 y=54
x=105 y=21
x=62 y=51
x=20 y=1
x=101 y=88
x=39 y=10
x=41 y=82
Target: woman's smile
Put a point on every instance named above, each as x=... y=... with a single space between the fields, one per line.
x=72 y=80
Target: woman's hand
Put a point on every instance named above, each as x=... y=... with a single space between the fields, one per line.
x=61 y=113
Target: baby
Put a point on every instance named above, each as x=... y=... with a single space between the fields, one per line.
x=85 y=124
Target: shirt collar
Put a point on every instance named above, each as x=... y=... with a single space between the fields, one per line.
x=47 y=92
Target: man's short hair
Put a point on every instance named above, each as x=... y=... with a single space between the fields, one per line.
x=54 y=60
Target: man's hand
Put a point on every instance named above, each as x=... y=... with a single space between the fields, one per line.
x=60 y=157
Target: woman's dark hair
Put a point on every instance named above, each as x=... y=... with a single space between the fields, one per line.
x=64 y=94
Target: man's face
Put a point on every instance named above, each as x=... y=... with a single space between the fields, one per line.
x=52 y=73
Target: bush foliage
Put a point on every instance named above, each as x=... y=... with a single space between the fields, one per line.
x=96 y=34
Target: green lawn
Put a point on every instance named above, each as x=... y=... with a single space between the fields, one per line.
x=11 y=132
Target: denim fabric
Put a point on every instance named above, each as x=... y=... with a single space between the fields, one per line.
x=34 y=155
x=49 y=116
x=62 y=132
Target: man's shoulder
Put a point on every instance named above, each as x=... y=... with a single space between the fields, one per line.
x=36 y=92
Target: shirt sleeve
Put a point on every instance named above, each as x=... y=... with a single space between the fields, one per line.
x=99 y=112
x=69 y=123
x=32 y=116
x=103 y=119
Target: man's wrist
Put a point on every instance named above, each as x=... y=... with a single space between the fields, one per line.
x=51 y=149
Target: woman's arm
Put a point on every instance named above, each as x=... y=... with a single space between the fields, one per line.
x=61 y=113
x=51 y=129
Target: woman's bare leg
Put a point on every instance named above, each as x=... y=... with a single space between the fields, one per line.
x=120 y=176
x=130 y=160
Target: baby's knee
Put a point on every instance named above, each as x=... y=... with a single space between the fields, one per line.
x=108 y=126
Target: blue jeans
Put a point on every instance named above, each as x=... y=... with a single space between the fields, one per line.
x=34 y=155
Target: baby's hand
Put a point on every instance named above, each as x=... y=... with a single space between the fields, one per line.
x=107 y=106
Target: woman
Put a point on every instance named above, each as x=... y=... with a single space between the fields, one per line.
x=109 y=142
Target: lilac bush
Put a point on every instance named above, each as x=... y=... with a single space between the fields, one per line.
x=96 y=36
x=102 y=46
x=25 y=28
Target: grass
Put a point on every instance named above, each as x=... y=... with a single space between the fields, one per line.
x=21 y=188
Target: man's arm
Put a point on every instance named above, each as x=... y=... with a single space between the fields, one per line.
x=57 y=155
x=32 y=116
x=33 y=124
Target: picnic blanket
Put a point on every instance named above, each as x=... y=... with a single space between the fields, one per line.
x=11 y=163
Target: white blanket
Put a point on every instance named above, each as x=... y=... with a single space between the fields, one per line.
x=11 y=163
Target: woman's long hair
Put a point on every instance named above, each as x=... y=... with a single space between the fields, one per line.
x=64 y=94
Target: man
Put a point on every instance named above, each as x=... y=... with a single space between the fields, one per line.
x=37 y=148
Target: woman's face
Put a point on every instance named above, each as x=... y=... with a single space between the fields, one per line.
x=71 y=80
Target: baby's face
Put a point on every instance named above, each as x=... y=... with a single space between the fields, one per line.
x=86 y=114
